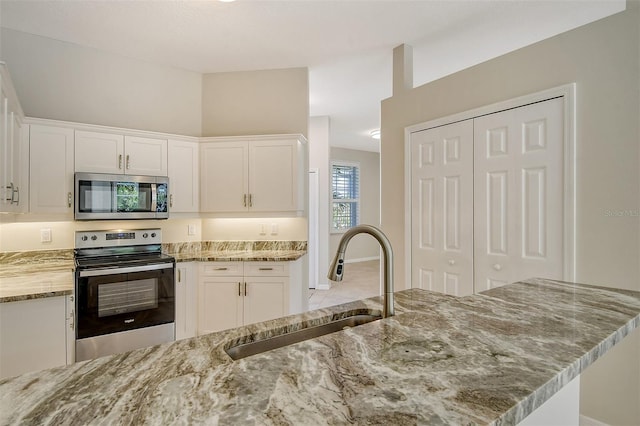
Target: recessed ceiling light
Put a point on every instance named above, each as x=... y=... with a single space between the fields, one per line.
x=375 y=133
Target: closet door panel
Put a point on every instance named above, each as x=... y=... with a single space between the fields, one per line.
x=442 y=209
x=518 y=205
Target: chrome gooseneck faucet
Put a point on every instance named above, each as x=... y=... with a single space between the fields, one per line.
x=336 y=270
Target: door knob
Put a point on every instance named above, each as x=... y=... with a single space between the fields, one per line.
x=452 y=262
x=497 y=266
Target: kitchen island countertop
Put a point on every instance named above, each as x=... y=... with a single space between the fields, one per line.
x=490 y=358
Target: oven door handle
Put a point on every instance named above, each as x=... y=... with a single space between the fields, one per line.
x=114 y=271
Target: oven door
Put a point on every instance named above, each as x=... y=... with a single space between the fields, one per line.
x=113 y=300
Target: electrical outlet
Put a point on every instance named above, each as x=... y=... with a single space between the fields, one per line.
x=263 y=229
x=45 y=235
x=274 y=229
x=192 y=230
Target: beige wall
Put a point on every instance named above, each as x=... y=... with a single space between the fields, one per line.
x=64 y=81
x=319 y=134
x=255 y=102
x=24 y=234
x=361 y=246
x=603 y=58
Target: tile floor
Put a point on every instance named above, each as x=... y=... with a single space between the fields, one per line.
x=360 y=280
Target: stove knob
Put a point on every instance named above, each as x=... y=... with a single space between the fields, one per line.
x=145 y=235
x=153 y=235
x=84 y=238
x=94 y=237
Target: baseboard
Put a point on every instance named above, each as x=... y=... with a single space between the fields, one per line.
x=362 y=259
x=588 y=421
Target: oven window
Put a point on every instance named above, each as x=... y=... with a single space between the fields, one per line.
x=128 y=296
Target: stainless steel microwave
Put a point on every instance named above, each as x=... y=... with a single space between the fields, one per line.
x=108 y=197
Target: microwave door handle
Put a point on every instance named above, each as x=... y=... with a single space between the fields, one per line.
x=154 y=197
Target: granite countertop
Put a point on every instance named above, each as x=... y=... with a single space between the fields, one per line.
x=490 y=358
x=35 y=275
x=240 y=255
x=48 y=273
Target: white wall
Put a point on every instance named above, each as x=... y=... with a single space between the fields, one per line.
x=362 y=247
x=64 y=81
x=255 y=102
x=319 y=131
x=603 y=58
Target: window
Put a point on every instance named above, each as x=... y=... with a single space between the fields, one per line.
x=345 y=189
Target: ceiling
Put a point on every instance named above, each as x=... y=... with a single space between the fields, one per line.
x=347 y=44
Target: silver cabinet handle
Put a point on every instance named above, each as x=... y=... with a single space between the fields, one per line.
x=245 y=289
x=69 y=200
x=179 y=275
x=171 y=200
x=15 y=200
x=239 y=293
x=265 y=269
x=128 y=162
x=250 y=201
x=120 y=161
x=221 y=269
x=10 y=194
x=72 y=315
x=244 y=200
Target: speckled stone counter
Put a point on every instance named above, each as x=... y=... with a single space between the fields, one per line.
x=490 y=358
x=263 y=251
x=48 y=273
x=35 y=275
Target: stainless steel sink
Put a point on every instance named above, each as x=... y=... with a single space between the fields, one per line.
x=244 y=350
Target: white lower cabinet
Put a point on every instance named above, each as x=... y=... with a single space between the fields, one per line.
x=34 y=335
x=186 y=300
x=233 y=294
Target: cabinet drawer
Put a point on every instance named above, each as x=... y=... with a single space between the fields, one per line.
x=221 y=269
x=262 y=269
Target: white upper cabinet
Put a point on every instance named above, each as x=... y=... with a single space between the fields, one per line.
x=224 y=177
x=259 y=175
x=51 y=171
x=184 y=177
x=117 y=154
x=145 y=156
x=14 y=149
x=99 y=152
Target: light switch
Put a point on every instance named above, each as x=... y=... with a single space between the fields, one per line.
x=192 y=230
x=263 y=229
x=274 y=229
x=45 y=235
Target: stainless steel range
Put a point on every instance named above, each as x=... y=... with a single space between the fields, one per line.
x=125 y=292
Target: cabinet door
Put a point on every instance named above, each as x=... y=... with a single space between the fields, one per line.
x=265 y=298
x=519 y=194
x=99 y=153
x=273 y=172
x=32 y=335
x=224 y=185
x=183 y=176
x=145 y=156
x=5 y=152
x=20 y=143
x=442 y=209
x=51 y=169
x=186 y=300
x=220 y=304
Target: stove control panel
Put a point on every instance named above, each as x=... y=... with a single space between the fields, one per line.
x=119 y=237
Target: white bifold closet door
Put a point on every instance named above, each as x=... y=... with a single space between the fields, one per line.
x=487 y=200
x=518 y=188
x=442 y=209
